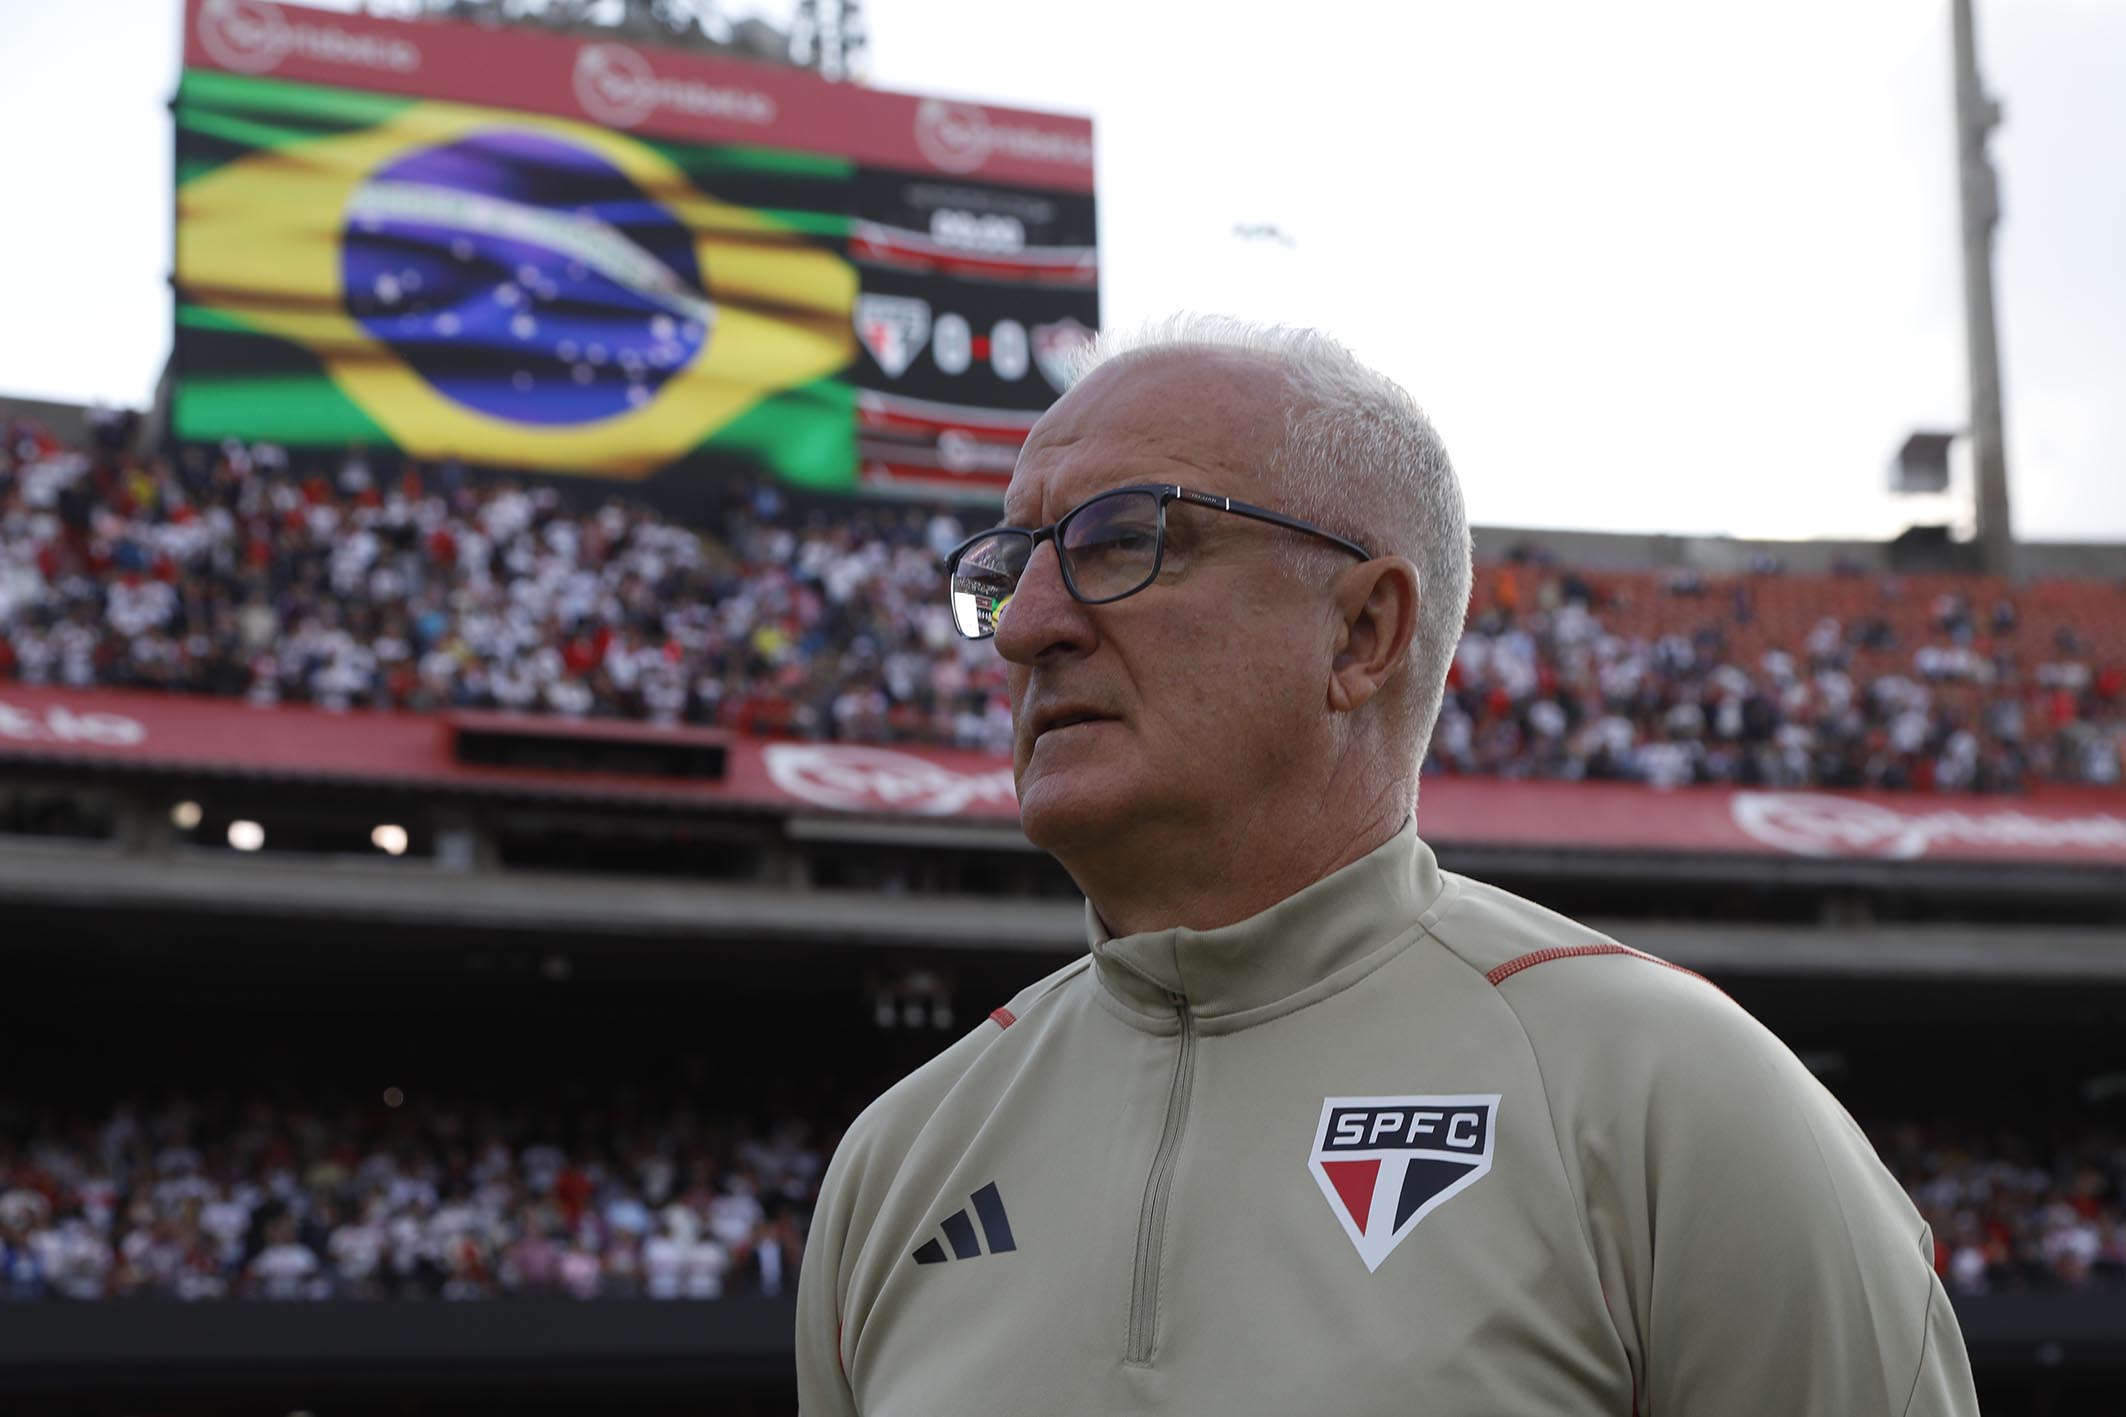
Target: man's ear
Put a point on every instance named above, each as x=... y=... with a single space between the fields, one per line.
x=1376 y=607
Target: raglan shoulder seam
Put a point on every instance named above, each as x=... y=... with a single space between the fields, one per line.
x=1557 y=1137
x=873 y=1126
x=947 y=1069
x=1557 y=1140
x=1041 y=991
x=1926 y=1323
x=1501 y=973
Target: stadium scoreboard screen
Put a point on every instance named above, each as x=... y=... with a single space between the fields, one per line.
x=514 y=248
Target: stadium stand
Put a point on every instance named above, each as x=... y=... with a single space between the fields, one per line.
x=205 y=1111
x=1848 y=680
x=244 y=576
x=2011 y=1212
x=213 y=1199
x=241 y=575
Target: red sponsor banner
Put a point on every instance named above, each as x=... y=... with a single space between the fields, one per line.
x=123 y=729
x=2065 y=826
x=640 y=89
x=185 y=733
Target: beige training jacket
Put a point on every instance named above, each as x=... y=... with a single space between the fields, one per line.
x=1403 y=1143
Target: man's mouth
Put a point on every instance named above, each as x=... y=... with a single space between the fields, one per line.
x=1070 y=719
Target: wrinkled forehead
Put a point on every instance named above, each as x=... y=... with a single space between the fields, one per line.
x=1210 y=420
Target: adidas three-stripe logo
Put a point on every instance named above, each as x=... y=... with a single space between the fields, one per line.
x=959 y=1231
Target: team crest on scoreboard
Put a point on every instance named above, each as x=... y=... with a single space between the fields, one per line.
x=1055 y=349
x=894 y=328
x=1385 y=1163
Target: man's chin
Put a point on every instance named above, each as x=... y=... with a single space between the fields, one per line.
x=1066 y=814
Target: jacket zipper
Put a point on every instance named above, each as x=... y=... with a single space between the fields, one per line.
x=1151 y=1219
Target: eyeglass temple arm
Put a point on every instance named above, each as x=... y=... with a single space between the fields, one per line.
x=1264 y=514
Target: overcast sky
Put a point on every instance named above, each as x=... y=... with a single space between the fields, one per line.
x=1662 y=266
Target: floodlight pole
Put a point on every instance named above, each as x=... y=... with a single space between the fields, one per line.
x=1977 y=115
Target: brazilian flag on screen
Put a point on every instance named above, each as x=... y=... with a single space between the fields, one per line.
x=505 y=288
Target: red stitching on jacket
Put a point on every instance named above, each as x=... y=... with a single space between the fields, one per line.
x=1005 y=1018
x=1530 y=960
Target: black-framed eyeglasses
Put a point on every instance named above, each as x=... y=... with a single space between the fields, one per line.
x=1110 y=546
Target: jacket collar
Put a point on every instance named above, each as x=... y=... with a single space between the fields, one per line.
x=1306 y=947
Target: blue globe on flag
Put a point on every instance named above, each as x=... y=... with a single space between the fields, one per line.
x=524 y=277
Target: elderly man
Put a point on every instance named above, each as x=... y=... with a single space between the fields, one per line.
x=1316 y=1126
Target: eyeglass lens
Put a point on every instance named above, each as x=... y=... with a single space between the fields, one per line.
x=983 y=581
x=1111 y=544
x=1109 y=548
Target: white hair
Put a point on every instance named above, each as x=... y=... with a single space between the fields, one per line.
x=1359 y=458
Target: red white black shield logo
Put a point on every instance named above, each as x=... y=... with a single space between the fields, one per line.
x=894 y=328
x=1056 y=347
x=1385 y=1163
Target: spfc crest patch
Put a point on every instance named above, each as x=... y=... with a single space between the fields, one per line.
x=1385 y=1163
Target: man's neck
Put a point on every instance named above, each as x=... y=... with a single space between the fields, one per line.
x=1225 y=876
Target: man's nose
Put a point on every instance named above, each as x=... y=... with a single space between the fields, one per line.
x=1042 y=620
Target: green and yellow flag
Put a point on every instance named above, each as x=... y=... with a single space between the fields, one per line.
x=505 y=288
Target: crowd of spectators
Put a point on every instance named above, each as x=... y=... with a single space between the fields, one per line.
x=208 y=1200
x=1655 y=678
x=256 y=1200
x=2008 y=1214
x=238 y=572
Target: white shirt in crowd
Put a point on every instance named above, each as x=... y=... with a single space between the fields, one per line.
x=357 y=1249
x=288 y=1271
x=706 y=1264
x=733 y=1217
x=664 y=1262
